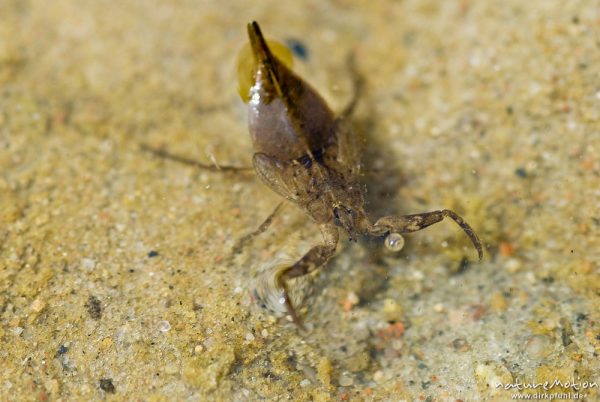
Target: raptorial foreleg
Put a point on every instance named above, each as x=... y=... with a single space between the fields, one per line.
x=315 y=258
x=413 y=223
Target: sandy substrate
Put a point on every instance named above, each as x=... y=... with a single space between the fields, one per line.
x=116 y=275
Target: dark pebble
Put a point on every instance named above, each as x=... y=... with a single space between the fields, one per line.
x=298 y=48
x=61 y=350
x=459 y=343
x=520 y=172
x=106 y=385
x=94 y=307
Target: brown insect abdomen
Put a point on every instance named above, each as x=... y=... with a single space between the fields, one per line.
x=286 y=116
x=274 y=133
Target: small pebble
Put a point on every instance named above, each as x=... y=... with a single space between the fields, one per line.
x=38 y=305
x=350 y=301
x=106 y=343
x=512 y=265
x=52 y=386
x=305 y=383
x=489 y=374
x=153 y=254
x=397 y=344
x=107 y=386
x=538 y=346
x=521 y=172
x=249 y=337
x=324 y=370
x=32 y=260
x=417 y=275
x=94 y=307
x=298 y=48
x=477 y=311
x=460 y=345
x=358 y=362
x=18 y=330
x=392 y=331
x=346 y=380
x=198 y=349
x=210 y=342
x=456 y=317
x=378 y=376
x=88 y=263
x=164 y=326
x=392 y=310
x=498 y=302
x=264 y=333
x=171 y=369
x=506 y=249
x=62 y=350
x=438 y=308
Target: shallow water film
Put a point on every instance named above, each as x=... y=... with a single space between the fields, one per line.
x=117 y=276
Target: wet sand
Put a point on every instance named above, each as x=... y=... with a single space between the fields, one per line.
x=116 y=275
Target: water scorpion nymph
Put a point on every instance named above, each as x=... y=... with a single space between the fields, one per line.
x=308 y=156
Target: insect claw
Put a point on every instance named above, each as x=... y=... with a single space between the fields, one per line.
x=289 y=306
x=468 y=231
x=295 y=318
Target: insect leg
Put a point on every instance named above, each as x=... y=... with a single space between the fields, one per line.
x=237 y=248
x=357 y=87
x=161 y=153
x=412 y=223
x=312 y=260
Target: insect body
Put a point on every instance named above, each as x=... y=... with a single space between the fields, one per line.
x=308 y=156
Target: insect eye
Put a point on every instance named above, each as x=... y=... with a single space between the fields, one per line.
x=336 y=216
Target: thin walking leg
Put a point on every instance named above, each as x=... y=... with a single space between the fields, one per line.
x=357 y=87
x=238 y=247
x=161 y=153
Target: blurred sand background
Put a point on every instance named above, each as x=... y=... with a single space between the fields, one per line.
x=115 y=281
